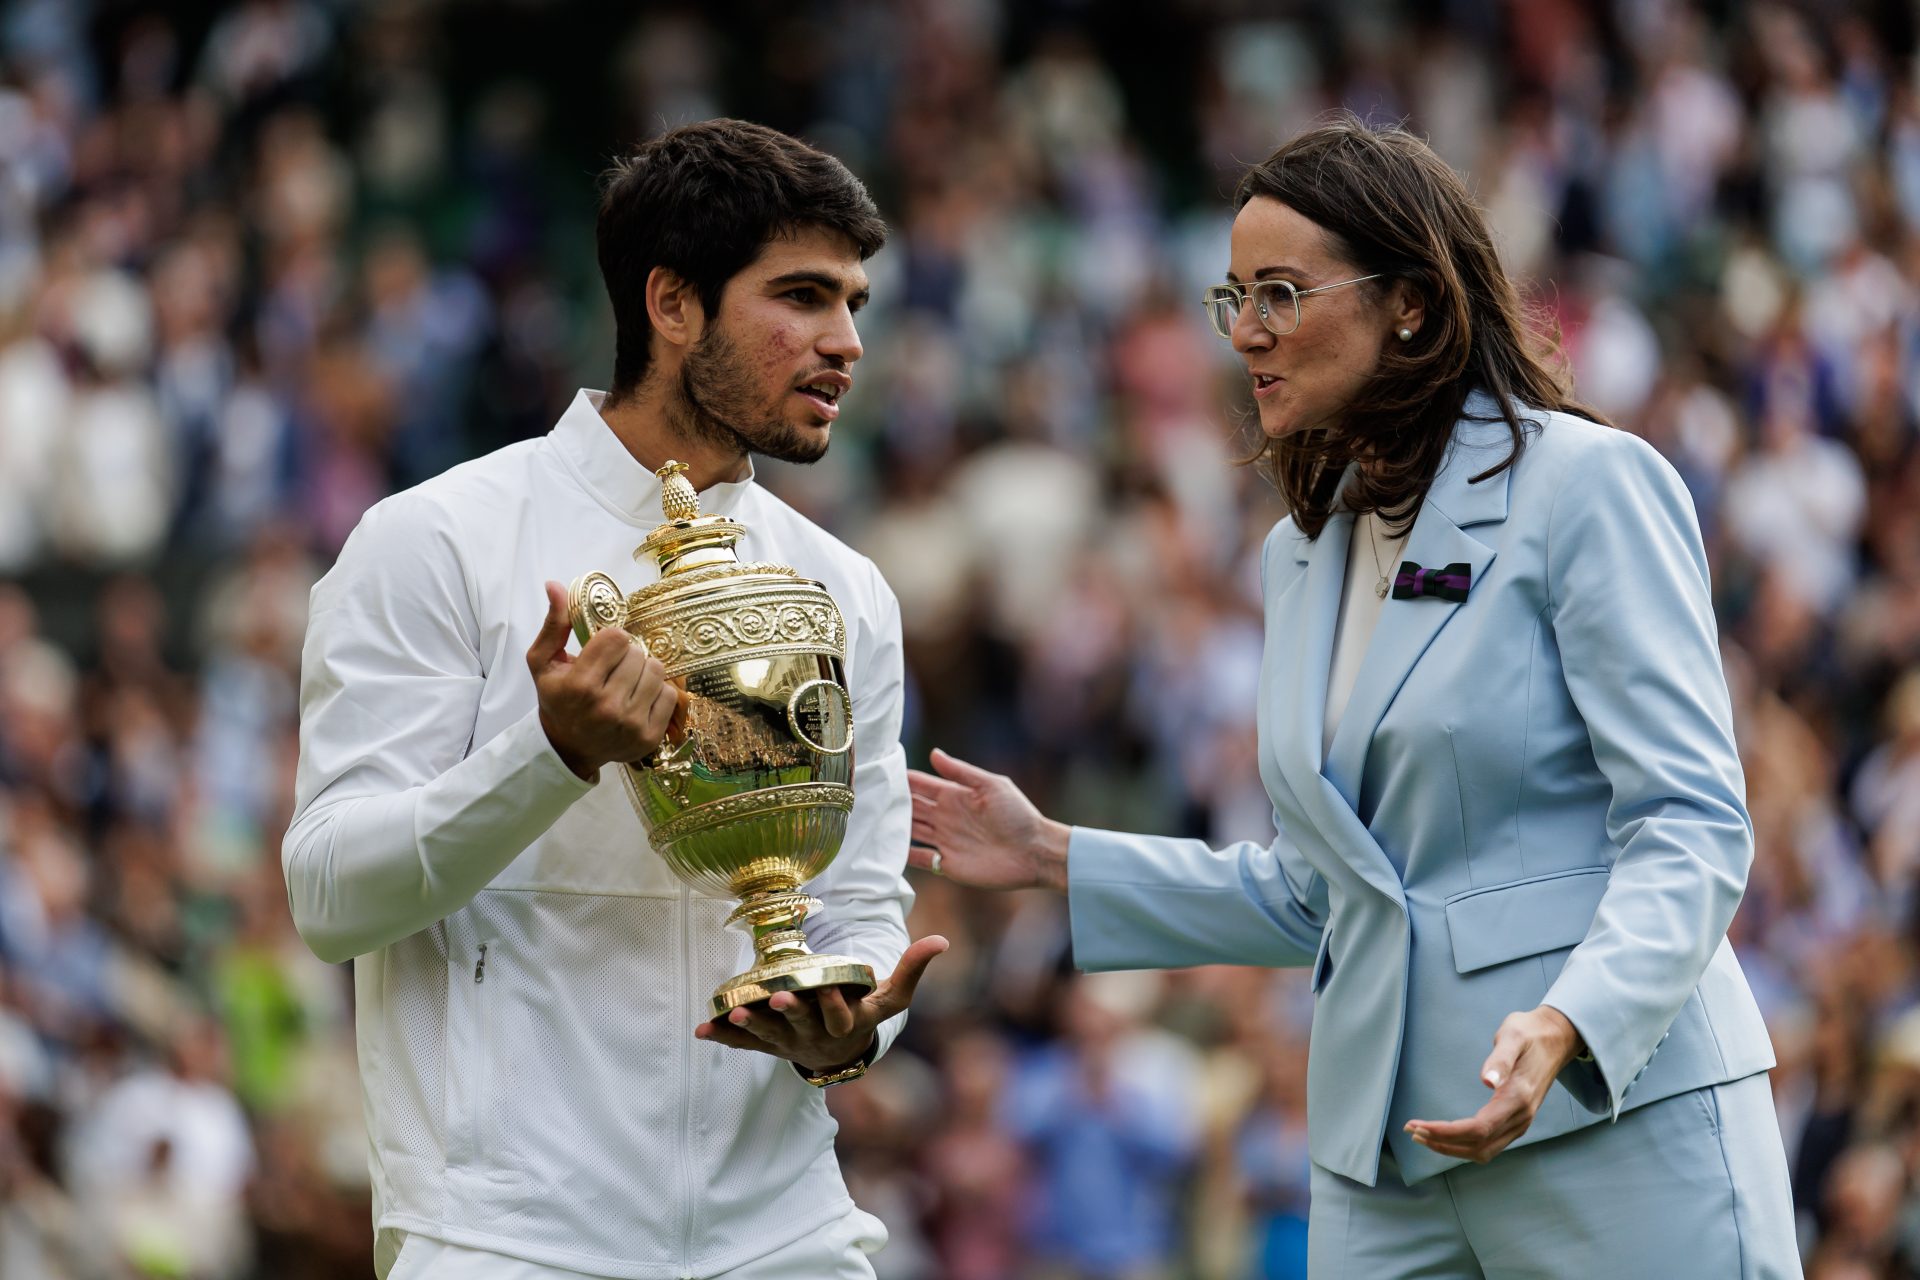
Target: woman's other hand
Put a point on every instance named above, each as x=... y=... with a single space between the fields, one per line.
x=977 y=828
x=1529 y=1051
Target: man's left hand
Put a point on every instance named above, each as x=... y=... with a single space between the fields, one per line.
x=823 y=1030
x=1529 y=1052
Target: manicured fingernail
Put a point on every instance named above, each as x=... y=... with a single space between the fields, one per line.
x=1493 y=1079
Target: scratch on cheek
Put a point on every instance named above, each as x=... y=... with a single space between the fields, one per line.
x=780 y=345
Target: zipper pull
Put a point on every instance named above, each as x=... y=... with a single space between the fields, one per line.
x=480 y=969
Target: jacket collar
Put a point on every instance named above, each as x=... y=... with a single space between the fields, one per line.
x=611 y=474
x=1480 y=440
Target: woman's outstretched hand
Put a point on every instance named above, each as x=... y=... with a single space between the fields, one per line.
x=977 y=828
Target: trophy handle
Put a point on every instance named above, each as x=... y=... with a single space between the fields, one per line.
x=594 y=602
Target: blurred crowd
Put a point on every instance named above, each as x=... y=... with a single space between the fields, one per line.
x=263 y=263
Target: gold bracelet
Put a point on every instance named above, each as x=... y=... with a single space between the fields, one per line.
x=841 y=1076
x=822 y=1079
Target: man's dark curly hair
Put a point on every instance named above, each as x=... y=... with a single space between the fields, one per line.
x=703 y=201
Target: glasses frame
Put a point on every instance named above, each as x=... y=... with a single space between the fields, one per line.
x=1264 y=289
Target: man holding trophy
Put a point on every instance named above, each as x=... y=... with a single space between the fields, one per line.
x=571 y=1065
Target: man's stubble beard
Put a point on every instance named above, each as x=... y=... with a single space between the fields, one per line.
x=716 y=407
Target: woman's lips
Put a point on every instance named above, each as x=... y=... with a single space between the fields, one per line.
x=1264 y=384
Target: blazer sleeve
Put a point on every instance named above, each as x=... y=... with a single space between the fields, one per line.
x=1631 y=611
x=1156 y=902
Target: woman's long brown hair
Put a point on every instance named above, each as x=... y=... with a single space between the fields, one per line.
x=1389 y=204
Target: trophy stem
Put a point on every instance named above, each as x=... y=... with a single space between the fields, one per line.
x=782 y=961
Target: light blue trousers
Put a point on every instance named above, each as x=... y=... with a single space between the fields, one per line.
x=1691 y=1186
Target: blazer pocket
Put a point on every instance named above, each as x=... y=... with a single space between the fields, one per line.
x=1322 y=960
x=1524 y=917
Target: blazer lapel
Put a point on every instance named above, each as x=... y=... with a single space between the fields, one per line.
x=1405 y=629
x=1302 y=623
x=1438 y=538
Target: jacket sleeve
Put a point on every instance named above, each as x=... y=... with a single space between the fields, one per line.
x=1155 y=902
x=865 y=891
x=397 y=823
x=1632 y=614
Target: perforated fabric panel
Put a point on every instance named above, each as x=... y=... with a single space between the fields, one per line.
x=401 y=1013
x=765 y=1136
x=581 y=1122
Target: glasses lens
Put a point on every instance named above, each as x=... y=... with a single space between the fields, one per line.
x=1278 y=305
x=1223 y=308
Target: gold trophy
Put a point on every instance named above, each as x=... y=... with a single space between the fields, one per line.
x=749 y=795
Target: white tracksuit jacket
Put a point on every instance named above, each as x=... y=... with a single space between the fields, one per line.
x=528 y=972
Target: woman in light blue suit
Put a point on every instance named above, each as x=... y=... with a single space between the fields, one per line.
x=1496 y=732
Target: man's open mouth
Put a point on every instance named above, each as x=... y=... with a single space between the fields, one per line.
x=827 y=393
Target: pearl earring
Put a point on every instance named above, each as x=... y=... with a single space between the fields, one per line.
x=1406 y=335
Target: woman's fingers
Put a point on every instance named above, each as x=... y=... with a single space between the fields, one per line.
x=931 y=790
x=1499 y=1065
x=953 y=767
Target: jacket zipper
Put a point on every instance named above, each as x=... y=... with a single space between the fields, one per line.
x=684 y=1147
x=482 y=1067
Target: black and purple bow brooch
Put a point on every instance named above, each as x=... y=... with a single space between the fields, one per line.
x=1413 y=582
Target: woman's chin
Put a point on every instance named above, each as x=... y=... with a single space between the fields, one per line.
x=1278 y=426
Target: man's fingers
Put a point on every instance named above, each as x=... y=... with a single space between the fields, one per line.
x=800 y=1014
x=629 y=678
x=666 y=703
x=896 y=993
x=550 y=645
x=958 y=770
x=836 y=1015
x=601 y=656
x=764 y=1026
x=720 y=1032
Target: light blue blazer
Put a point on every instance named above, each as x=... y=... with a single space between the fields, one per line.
x=1532 y=796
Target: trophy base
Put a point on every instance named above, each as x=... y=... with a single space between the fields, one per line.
x=806 y=972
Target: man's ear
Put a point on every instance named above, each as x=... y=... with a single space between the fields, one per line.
x=673 y=305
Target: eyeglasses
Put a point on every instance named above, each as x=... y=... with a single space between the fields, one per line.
x=1276 y=302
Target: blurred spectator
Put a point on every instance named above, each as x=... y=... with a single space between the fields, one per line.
x=1109 y=1115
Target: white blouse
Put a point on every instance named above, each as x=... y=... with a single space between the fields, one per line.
x=1369 y=562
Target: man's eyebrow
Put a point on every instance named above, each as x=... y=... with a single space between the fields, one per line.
x=820 y=279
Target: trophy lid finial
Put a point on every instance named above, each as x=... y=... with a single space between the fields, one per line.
x=678 y=501
x=688 y=540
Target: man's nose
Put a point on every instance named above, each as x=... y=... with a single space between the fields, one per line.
x=841 y=341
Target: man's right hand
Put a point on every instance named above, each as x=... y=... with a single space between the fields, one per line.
x=610 y=702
